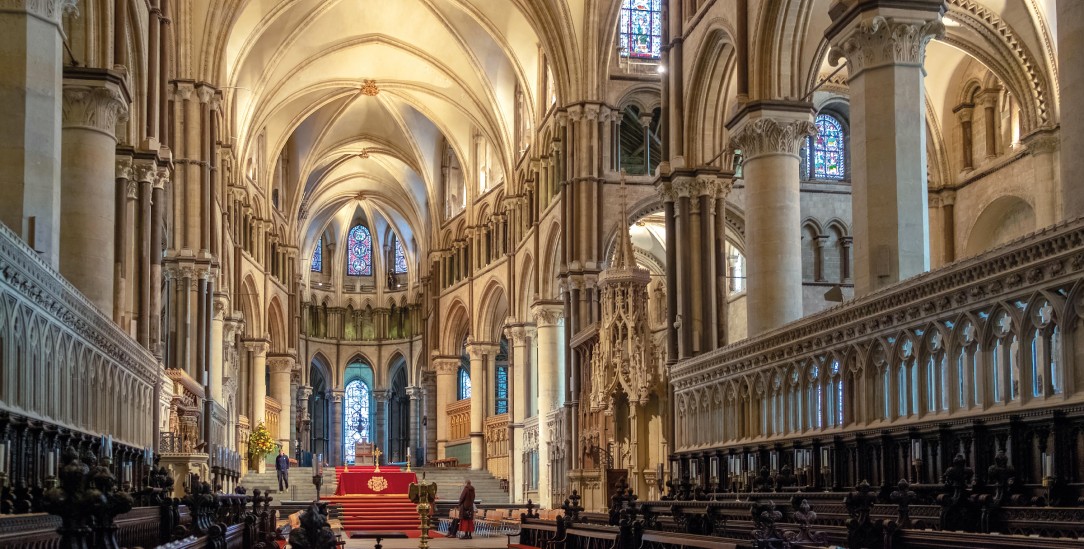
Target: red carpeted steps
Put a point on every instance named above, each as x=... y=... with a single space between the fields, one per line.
x=376 y=512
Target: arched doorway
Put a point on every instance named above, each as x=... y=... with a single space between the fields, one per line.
x=320 y=419
x=398 y=416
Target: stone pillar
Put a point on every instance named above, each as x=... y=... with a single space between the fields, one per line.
x=31 y=57
x=518 y=373
x=948 y=225
x=380 y=398
x=94 y=101
x=1042 y=146
x=964 y=113
x=336 y=434
x=645 y=123
x=769 y=135
x=217 y=355
x=1071 y=77
x=446 y=368
x=548 y=317
x=259 y=385
x=989 y=119
x=304 y=435
x=281 y=368
x=480 y=353
x=884 y=42
x=414 y=392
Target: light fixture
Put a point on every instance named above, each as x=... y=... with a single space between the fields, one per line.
x=369 y=88
x=661 y=69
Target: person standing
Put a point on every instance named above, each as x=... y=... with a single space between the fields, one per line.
x=282 y=467
x=466 y=511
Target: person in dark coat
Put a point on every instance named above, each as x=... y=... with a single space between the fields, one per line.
x=282 y=466
x=466 y=511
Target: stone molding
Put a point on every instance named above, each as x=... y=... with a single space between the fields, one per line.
x=880 y=42
x=1050 y=254
x=124 y=168
x=446 y=365
x=765 y=136
x=48 y=10
x=96 y=108
x=257 y=346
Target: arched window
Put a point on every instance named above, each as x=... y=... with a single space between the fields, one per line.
x=318 y=257
x=463 y=387
x=640 y=29
x=400 y=255
x=500 y=381
x=356 y=417
x=359 y=252
x=825 y=153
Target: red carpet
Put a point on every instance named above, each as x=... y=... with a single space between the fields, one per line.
x=376 y=513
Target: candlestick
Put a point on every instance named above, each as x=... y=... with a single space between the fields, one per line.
x=4 y=457
x=50 y=464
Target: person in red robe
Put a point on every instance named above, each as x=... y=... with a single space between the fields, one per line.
x=466 y=511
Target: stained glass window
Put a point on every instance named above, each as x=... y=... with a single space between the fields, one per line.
x=400 y=256
x=825 y=152
x=355 y=417
x=318 y=257
x=359 y=252
x=640 y=29
x=464 y=384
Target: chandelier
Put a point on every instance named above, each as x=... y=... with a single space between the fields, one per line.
x=369 y=88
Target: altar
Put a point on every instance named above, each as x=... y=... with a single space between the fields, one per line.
x=366 y=481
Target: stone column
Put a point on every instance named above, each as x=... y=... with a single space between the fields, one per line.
x=305 y=429
x=548 y=317
x=414 y=392
x=259 y=375
x=884 y=42
x=446 y=368
x=769 y=135
x=1071 y=77
x=336 y=437
x=480 y=354
x=94 y=101
x=964 y=113
x=645 y=123
x=989 y=119
x=217 y=356
x=31 y=57
x=281 y=367
x=380 y=398
x=948 y=225
x=518 y=373
x=1042 y=146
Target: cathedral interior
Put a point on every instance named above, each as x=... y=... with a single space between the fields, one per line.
x=691 y=250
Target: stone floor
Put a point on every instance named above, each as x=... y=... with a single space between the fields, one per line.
x=495 y=541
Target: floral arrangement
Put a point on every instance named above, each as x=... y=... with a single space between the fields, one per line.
x=260 y=442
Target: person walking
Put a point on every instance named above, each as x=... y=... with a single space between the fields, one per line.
x=466 y=511
x=282 y=466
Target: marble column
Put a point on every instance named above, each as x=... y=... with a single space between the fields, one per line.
x=258 y=369
x=94 y=101
x=884 y=43
x=336 y=434
x=31 y=58
x=1071 y=78
x=480 y=354
x=281 y=367
x=217 y=355
x=769 y=135
x=518 y=373
x=380 y=398
x=446 y=368
x=549 y=319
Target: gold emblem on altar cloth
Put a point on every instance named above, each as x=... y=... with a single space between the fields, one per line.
x=378 y=484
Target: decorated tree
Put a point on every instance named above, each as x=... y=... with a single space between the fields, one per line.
x=260 y=442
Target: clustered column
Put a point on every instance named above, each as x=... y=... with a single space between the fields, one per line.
x=885 y=46
x=769 y=135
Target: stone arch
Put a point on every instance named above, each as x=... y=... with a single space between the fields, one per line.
x=250 y=308
x=711 y=81
x=492 y=312
x=276 y=326
x=456 y=326
x=1002 y=220
x=552 y=254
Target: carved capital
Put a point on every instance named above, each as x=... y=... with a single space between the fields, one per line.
x=517 y=334
x=49 y=10
x=257 y=347
x=145 y=171
x=764 y=136
x=280 y=364
x=124 y=168
x=205 y=93
x=547 y=314
x=878 y=41
x=96 y=108
x=478 y=350
x=184 y=90
x=446 y=366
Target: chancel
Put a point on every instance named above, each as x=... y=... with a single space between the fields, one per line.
x=627 y=266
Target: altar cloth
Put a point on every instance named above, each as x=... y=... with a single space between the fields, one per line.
x=376 y=484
